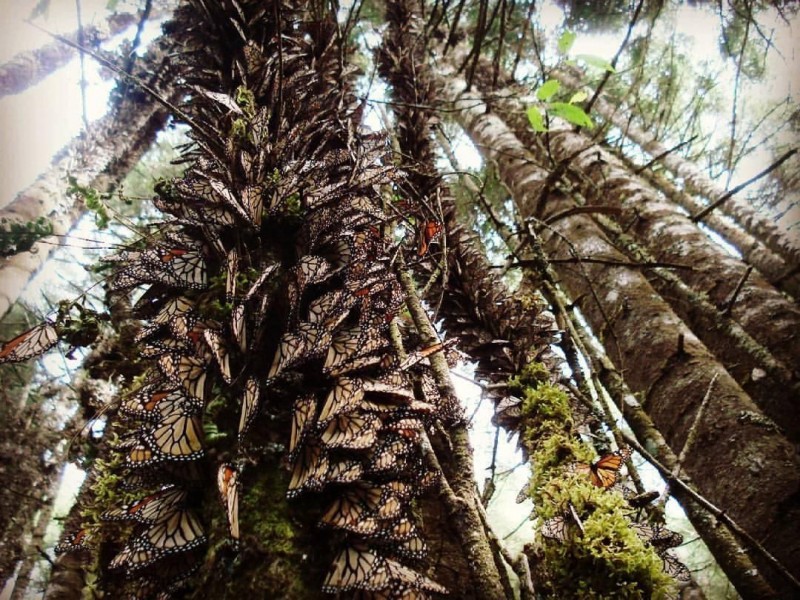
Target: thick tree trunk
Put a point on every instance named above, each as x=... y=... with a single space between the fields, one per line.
x=695 y=181
x=754 y=252
x=758 y=342
x=117 y=142
x=28 y=68
x=674 y=373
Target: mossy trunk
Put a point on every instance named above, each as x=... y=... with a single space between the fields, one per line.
x=673 y=375
x=755 y=338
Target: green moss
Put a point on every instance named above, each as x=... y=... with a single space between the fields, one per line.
x=606 y=559
x=279 y=555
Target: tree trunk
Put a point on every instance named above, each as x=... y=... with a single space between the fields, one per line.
x=758 y=342
x=754 y=252
x=674 y=374
x=695 y=181
x=29 y=68
x=117 y=142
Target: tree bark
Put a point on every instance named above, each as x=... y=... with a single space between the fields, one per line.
x=673 y=375
x=695 y=181
x=29 y=68
x=758 y=342
x=117 y=142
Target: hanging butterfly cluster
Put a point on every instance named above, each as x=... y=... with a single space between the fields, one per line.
x=276 y=248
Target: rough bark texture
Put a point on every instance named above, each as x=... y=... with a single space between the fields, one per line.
x=105 y=154
x=28 y=68
x=402 y=63
x=754 y=252
x=759 y=342
x=695 y=181
x=672 y=375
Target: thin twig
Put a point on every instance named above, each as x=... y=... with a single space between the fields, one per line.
x=605 y=261
x=84 y=112
x=699 y=216
x=692 y=435
x=666 y=152
x=735 y=293
x=622 y=46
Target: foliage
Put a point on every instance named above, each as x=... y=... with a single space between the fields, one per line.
x=18 y=237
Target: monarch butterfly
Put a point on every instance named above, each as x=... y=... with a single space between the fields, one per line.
x=231 y=272
x=155 y=401
x=310 y=470
x=253 y=201
x=344 y=397
x=29 y=344
x=250 y=404
x=343 y=471
x=179 y=436
x=186 y=371
x=356 y=568
x=173 y=266
x=555 y=528
x=171 y=575
x=603 y=473
x=413 y=548
x=349 y=345
x=353 y=569
x=150 y=509
x=675 y=568
x=408 y=427
x=220 y=352
x=400 y=530
x=80 y=540
x=180 y=306
x=178 y=532
x=305 y=342
x=228 y=484
x=355 y=508
x=239 y=326
x=428 y=234
x=330 y=309
x=302 y=420
x=223 y=193
x=385 y=456
x=163 y=346
x=395 y=384
x=657 y=536
x=353 y=432
x=349 y=516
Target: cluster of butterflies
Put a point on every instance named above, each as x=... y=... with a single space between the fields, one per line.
x=605 y=473
x=220 y=295
x=561 y=527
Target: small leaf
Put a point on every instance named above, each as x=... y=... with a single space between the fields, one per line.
x=570 y=112
x=536 y=119
x=565 y=41
x=596 y=61
x=578 y=97
x=548 y=89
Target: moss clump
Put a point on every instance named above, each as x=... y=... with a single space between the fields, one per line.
x=277 y=554
x=603 y=558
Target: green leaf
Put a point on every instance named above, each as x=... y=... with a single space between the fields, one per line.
x=565 y=41
x=578 y=97
x=596 y=61
x=548 y=89
x=570 y=112
x=536 y=119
